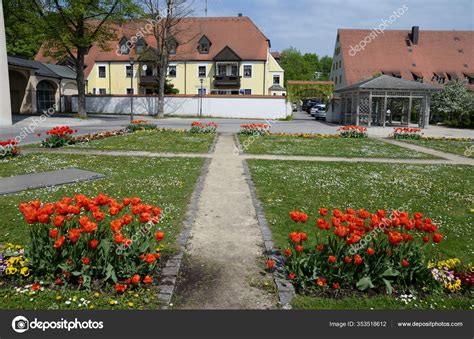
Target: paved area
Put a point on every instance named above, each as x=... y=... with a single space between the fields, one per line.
x=29 y=126
x=226 y=243
x=20 y=183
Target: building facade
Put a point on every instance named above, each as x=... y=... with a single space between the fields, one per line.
x=218 y=56
x=433 y=57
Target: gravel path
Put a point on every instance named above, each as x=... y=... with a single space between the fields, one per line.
x=224 y=269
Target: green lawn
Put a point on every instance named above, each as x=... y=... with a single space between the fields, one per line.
x=286 y=185
x=165 y=182
x=445 y=302
x=343 y=147
x=60 y=299
x=460 y=147
x=283 y=186
x=150 y=141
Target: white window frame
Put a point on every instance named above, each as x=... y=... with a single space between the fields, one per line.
x=176 y=71
x=251 y=71
x=98 y=71
x=199 y=75
x=279 y=79
x=126 y=71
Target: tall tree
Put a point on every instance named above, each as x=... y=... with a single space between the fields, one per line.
x=70 y=27
x=166 y=33
x=306 y=66
x=23 y=38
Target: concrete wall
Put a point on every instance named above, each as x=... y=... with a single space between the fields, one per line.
x=248 y=107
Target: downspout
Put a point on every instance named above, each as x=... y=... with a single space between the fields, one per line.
x=185 y=77
x=110 y=80
x=264 y=77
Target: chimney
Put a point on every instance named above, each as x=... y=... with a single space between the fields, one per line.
x=240 y=14
x=415 y=34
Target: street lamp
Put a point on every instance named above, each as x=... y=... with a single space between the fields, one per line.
x=132 y=62
x=200 y=99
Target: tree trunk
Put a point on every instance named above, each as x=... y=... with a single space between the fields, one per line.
x=161 y=86
x=81 y=91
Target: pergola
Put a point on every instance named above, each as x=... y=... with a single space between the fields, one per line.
x=365 y=103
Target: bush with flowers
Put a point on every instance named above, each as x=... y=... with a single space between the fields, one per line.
x=352 y=132
x=363 y=250
x=80 y=240
x=8 y=149
x=407 y=133
x=198 y=127
x=58 y=136
x=13 y=263
x=254 y=129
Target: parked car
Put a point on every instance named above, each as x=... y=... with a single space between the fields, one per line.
x=318 y=111
x=308 y=103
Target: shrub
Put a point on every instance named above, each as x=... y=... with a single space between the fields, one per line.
x=254 y=129
x=407 y=133
x=59 y=136
x=362 y=250
x=80 y=240
x=8 y=149
x=198 y=127
x=352 y=132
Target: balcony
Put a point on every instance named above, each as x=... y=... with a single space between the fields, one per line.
x=227 y=80
x=148 y=80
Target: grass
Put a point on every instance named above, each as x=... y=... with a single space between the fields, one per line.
x=460 y=147
x=328 y=146
x=166 y=182
x=283 y=186
x=150 y=141
x=60 y=299
x=442 y=302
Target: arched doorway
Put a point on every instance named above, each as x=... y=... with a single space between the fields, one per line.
x=18 y=84
x=45 y=96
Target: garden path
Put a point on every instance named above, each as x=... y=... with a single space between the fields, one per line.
x=226 y=244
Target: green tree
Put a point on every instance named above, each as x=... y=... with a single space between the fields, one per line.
x=453 y=105
x=23 y=38
x=70 y=27
x=306 y=66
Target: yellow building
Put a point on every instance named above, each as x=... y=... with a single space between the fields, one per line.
x=217 y=55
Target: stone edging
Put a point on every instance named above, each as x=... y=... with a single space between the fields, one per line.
x=213 y=145
x=170 y=272
x=286 y=291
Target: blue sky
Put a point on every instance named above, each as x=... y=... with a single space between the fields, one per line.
x=311 y=25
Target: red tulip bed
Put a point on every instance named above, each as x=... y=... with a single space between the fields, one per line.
x=359 y=250
x=58 y=136
x=407 y=133
x=8 y=149
x=99 y=240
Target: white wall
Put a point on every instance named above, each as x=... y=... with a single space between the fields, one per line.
x=247 y=107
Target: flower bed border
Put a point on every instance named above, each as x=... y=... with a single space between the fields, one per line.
x=286 y=290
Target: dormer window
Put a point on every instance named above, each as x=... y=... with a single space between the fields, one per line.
x=204 y=45
x=172 y=46
x=140 y=46
x=124 y=49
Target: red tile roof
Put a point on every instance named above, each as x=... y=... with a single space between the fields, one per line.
x=239 y=33
x=437 y=51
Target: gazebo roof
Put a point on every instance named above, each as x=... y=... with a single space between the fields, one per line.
x=387 y=82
